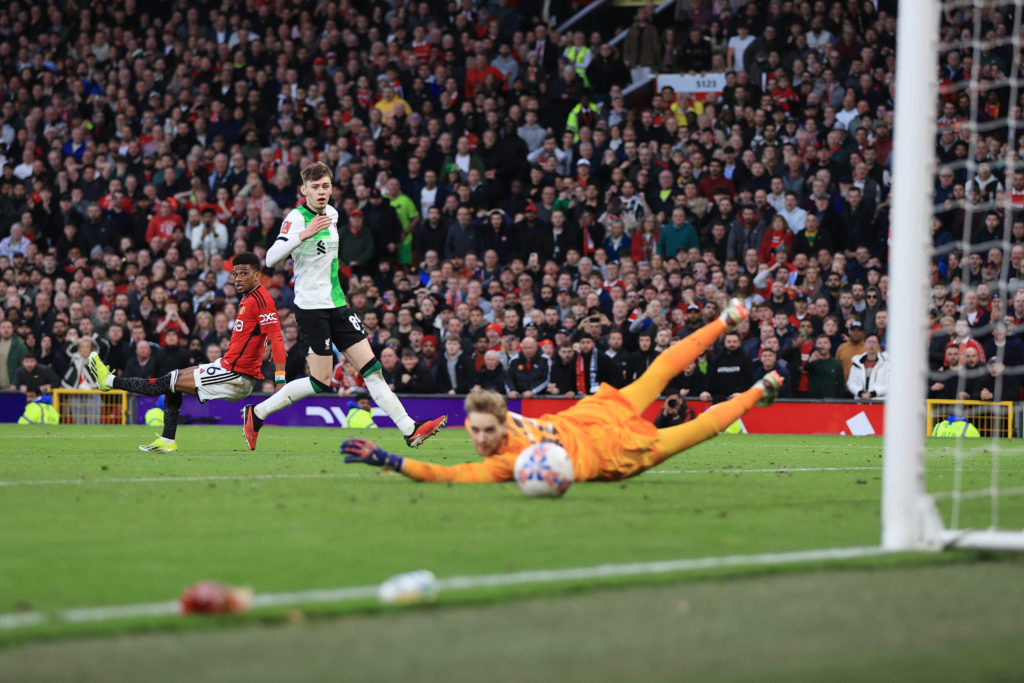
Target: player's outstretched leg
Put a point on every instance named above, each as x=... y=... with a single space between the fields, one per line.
x=160 y=386
x=106 y=380
x=673 y=360
x=715 y=419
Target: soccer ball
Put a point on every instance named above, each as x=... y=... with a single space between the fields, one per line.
x=543 y=470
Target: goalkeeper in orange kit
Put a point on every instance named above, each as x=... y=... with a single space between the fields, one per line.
x=605 y=435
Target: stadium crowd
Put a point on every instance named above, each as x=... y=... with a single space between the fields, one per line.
x=508 y=220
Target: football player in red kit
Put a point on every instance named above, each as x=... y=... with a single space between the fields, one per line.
x=230 y=378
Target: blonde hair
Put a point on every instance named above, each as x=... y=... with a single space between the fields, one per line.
x=487 y=401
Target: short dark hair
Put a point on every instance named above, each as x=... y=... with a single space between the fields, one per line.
x=247 y=258
x=316 y=171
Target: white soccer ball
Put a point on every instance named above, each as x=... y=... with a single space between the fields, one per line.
x=543 y=470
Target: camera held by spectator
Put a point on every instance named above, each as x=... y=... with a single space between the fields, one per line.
x=673 y=412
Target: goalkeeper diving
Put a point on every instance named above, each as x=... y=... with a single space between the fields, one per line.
x=605 y=435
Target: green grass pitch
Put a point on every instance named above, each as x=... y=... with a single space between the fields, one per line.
x=87 y=520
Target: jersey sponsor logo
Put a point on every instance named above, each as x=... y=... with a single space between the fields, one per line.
x=320 y=247
x=286 y=227
x=268 y=318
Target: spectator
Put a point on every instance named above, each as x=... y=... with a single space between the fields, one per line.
x=795 y=216
x=355 y=243
x=160 y=230
x=563 y=372
x=853 y=346
x=869 y=371
x=413 y=377
x=492 y=374
x=12 y=350
x=729 y=371
x=528 y=372
x=677 y=235
x=14 y=243
x=824 y=373
x=32 y=376
x=974 y=375
x=691 y=382
x=210 y=236
x=998 y=385
x=144 y=364
x=768 y=362
x=641 y=50
x=454 y=371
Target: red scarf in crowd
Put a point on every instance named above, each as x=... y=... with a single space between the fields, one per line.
x=581 y=375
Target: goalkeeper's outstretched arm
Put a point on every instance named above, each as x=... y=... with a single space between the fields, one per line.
x=369 y=453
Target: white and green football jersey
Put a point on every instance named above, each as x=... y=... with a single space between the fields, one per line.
x=316 y=260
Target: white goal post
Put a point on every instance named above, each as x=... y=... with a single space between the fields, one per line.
x=910 y=517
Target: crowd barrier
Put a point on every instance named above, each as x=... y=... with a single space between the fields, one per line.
x=785 y=417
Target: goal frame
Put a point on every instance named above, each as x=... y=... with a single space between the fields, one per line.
x=910 y=517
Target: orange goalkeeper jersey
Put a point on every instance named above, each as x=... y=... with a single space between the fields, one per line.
x=604 y=435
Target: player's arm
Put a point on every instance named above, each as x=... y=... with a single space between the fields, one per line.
x=369 y=453
x=270 y=326
x=290 y=237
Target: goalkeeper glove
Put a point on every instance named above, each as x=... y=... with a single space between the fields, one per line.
x=365 y=451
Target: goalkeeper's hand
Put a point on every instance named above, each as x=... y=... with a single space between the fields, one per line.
x=367 y=452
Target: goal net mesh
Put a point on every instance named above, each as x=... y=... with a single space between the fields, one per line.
x=975 y=351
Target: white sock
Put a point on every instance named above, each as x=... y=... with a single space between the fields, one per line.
x=167 y=441
x=109 y=381
x=389 y=403
x=296 y=390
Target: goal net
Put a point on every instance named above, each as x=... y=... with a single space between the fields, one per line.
x=953 y=462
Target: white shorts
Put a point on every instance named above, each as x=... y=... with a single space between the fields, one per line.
x=214 y=382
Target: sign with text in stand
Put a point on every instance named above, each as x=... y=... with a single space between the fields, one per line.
x=693 y=83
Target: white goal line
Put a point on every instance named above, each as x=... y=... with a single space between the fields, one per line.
x=81 y=615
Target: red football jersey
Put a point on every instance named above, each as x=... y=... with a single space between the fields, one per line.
x=256 y=325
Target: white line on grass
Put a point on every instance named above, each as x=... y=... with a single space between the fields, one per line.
x=171 y=480
x=55 y=435
x=769 y=470
x=336 y=475
x=455 y=583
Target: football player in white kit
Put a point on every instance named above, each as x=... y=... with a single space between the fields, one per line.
x=309 y=234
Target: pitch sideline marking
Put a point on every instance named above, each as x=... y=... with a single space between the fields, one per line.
x=768 y=470
x=171 y=480
x=337 y=475
x=81 y=615
x=340 y=475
